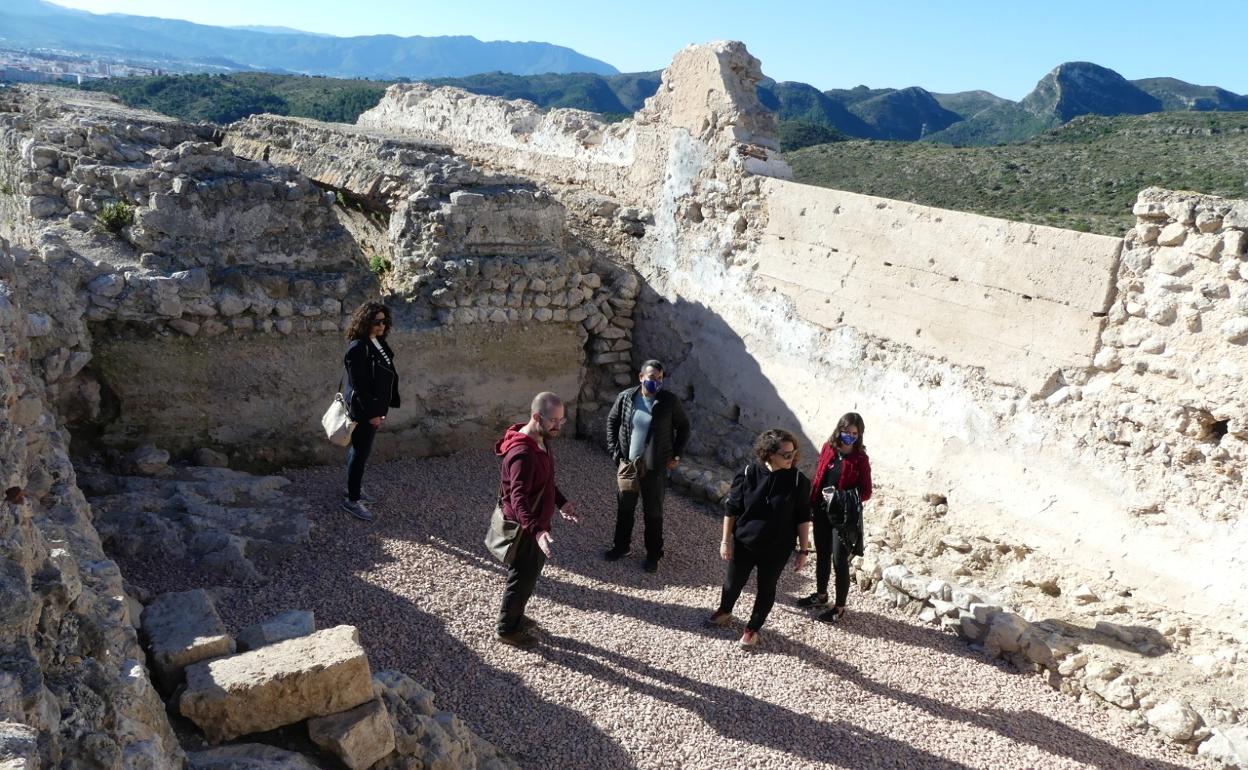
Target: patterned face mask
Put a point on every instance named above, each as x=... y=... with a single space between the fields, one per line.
x=847 y=439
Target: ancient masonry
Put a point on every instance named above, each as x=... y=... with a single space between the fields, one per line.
x=1057 y=418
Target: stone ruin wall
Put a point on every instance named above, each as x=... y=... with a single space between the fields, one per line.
x=74 y=688
x=988 y=357
x=1035 y=379
x=1055 y=416
x=215 y=320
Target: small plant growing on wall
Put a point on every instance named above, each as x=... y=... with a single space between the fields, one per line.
x=378 y=264
x=6 y=188
x=115 y=216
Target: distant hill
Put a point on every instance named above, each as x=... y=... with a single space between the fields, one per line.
x=908 y=114
x=1175 y=94
x=969 y=103
x=582 y=91
x=1083 y=175
x=1082 y=88
x=805 y=103
x=227 y=98
x=33 y=23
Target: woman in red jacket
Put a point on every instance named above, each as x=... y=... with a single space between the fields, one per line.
x=843 y=465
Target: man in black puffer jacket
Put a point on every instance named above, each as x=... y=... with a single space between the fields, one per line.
x=647 y=430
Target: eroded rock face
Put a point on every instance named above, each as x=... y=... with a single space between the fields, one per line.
x=54 y=583
x=316 y=675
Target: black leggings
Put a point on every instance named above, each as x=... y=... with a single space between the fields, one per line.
x=361 y=447
x=830 y=551
x=770 y=567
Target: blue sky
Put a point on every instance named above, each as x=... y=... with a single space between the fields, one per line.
x=828 y=43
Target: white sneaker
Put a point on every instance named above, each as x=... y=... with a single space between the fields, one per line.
x=357 y=509
x=749 y=640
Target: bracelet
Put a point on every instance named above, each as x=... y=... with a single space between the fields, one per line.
x=804 y=551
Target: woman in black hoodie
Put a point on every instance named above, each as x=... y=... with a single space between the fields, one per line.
x=372 y=390
x=768 y=513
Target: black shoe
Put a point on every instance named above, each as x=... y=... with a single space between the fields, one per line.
x=527 y=624
x=616 y=553
x=814 y=600
x=521 y=637
x=834 y=615
x=652 y=566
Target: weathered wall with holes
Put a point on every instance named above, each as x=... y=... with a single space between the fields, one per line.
x=1022 y=301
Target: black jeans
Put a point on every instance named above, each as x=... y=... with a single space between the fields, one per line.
x=653 y=488
x=522 y=576
x=361 y=447
x=770 y=567
x=830 y=552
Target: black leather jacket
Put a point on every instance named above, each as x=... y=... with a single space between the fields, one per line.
x=669 y=428
x=372 y=386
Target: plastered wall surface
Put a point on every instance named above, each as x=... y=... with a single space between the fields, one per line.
x=264 y=401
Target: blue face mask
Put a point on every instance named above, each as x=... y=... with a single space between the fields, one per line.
x=847 y=439
x=652 y=386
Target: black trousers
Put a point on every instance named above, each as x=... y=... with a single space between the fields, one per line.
x=522 y=577
x=830 y=553
x=361 y=447
x=744 y=561
x=653 y=488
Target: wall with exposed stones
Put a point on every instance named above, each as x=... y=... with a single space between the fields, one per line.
x=1046 y=384
x=74 y=690
x=215 y=319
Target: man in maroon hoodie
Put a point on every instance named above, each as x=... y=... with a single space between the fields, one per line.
x=530 y=497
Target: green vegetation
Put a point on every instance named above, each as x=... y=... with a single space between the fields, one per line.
x=1082 y=176
x=796 y=134
x=227 y=98
x=6 y=188
x=378 y=264
x=115 y=216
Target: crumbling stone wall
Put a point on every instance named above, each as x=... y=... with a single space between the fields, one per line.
x=237 y=272
x=73 y=676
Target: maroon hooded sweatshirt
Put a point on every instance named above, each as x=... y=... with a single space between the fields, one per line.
x=527 y=481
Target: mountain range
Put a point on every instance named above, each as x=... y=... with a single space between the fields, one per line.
x=27 y=24
x=907 y=114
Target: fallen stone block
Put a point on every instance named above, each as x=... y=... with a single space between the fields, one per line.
x=360 y=736
x=323 y=673
x=249 y=756
x=181 y=629
x=289 y=625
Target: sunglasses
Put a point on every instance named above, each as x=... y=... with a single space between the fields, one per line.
x=560 y=421
x=787 y=455
x=380 y=322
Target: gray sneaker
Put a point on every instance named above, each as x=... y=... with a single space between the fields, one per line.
x=357 y=509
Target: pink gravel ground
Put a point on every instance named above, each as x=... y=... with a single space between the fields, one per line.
x=627 y=676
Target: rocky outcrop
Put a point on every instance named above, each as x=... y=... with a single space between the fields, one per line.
x=73 y=674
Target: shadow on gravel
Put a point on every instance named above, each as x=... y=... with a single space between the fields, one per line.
x=1023 y=726
x=737 y=716
x=332 y=579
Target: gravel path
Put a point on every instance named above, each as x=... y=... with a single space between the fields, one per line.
x=627 y=676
